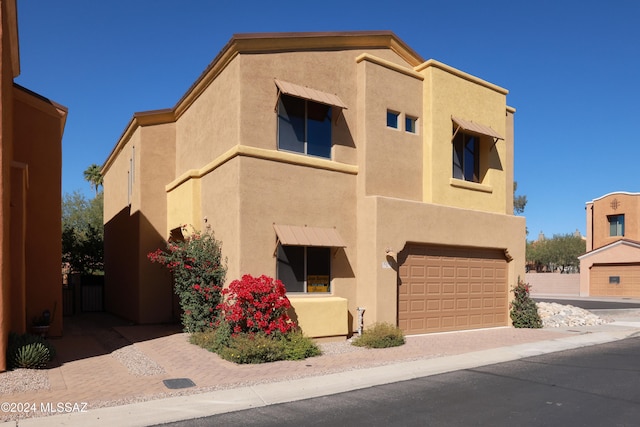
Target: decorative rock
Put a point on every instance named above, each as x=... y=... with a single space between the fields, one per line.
x=556 y=315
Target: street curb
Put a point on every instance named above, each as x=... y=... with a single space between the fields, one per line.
x=179 y=408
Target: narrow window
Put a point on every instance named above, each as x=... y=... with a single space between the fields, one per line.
x=392 y=119
x=616 y=225
x=466 y=157
x=410 y=124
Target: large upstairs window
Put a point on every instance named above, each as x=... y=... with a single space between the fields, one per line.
x=304 y=119
x=304 y=126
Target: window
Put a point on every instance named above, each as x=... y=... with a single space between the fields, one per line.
x=616 y=225
x=410 y=124
x=304 y=268
x=392 y=119
x=614 y=280
x=304 y=126
x=466 y=157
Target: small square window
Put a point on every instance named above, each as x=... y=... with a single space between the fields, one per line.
x=614 y=280
x=392 y=119
x=410 y=124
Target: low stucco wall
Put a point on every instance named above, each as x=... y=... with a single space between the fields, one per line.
x=321 y=317
x=553 y=284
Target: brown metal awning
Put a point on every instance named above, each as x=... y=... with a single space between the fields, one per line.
x=294 y=235
x=476 y=128
x=310 y=94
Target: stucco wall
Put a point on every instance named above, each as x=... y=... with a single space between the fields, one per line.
x=448 y=93
x=38 y=127
x=627 y=204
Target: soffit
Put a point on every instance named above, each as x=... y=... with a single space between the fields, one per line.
x=294 y=235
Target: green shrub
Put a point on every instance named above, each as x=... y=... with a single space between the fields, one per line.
x=380 y=335
x=255 y=348
x=28 y=351
x=212 y=339
x=298 y=347
x=524 y=311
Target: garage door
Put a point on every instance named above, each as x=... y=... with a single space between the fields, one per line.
x=615 y=280
x=449 y=289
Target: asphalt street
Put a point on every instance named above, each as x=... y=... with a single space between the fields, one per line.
x=590 y=386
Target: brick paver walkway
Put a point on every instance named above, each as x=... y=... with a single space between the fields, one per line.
x=88 y=372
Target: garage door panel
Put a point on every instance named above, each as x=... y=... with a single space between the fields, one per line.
x=465 y=288
x=627 y=283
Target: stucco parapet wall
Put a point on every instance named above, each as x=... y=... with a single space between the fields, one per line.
x=145 y=118
x=388 y=64
x=625 y=193
x=461 y=74
x=264 y=154
x=253 y=43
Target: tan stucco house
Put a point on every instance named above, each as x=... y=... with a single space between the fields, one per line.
x=368 y=180
x=31 y=129
x=611 y=265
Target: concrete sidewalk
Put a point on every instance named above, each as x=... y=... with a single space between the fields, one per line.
x=99 y=390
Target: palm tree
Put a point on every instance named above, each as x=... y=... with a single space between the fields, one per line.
x=92 y=175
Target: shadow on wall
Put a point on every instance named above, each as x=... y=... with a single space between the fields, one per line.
x=135 y=288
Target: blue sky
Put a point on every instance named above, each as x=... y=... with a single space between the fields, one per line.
x=571 y=68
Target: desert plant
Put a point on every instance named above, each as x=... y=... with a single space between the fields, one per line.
x=298 y=347
x=198 y=273
x=28 y=351
x=253 y=348
x=380 y=335
x=524 y=311
x=256 y=305
x=32 y=356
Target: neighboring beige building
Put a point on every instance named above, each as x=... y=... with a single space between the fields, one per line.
x=611 y=265
x=361 y=175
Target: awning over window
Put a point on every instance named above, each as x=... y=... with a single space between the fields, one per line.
x=294 y=235
x=310 y=94
x=475 y=128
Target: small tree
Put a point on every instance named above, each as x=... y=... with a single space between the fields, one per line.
x=524 y=311
x=198 y=275
x=83 y=233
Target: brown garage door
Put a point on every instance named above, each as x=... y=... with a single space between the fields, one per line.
x=615 y=280
x=447 y=289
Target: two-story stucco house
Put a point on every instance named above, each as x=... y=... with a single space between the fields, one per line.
x=344 y=164
x=611 y=265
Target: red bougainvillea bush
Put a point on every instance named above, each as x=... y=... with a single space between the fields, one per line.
x=256 y=305
x=198 y=274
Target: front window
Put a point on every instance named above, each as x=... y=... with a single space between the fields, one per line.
x=466 y=157
x=616 y=225
x=304 y=268
x=304 y=126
